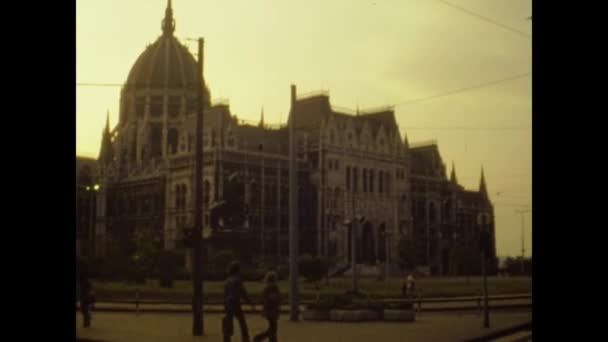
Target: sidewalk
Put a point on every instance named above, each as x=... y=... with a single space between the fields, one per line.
x=150 y=327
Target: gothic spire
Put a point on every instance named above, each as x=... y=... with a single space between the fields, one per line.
x=106 y=154
x=262 y=119
x=453 y=175
x=108 y=121
x=482 y=184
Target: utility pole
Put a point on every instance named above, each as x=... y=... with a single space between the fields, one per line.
x=294 y=300
x=486 y=316
x=353 y=252
x=354 y=229
x=262 y=211
x=279 y=174
x=197 y=298
x=484 y=243
x=523 y=250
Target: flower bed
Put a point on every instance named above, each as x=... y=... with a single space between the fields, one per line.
x=349 y=308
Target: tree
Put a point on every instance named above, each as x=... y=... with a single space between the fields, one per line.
x=465 y=260
x=313 y=268
x=145 y=256
x=406 y=250
x=513 y=266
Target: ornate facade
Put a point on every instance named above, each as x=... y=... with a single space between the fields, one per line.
x=349 y=164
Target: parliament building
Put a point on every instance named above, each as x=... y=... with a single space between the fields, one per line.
x=349 y=164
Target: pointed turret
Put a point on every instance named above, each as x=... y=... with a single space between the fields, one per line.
x=453 y=174
x=406 y=143
x=482 y=185
x=261 y=124
x=106 y=154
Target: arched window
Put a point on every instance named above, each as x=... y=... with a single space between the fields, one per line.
x=180 y=196
x=364 y=180
x=432 y=215
x=337 y=197
x=355 y=179
x=206 y=191
x=156 y=106
x=155 y=140
x=387 y=181
x=371 y=180
x=172 y=140
x=348 y=178
x=380 y=177
x=174 y=105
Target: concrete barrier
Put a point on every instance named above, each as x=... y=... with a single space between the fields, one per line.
x=315 y=315
x=399 y=315
x=336 y=315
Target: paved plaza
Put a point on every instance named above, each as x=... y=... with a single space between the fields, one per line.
x=177 y=327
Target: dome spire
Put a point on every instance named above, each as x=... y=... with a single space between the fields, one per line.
x=168 y=25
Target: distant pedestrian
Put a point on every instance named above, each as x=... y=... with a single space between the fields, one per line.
x=409 y=287
x=271 y=299
x=87 y=299
x=233 y=291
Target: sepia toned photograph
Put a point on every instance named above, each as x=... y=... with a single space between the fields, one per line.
x=338 y=170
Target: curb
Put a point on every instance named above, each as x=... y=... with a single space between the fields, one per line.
x=221 y=311
x=503 y=332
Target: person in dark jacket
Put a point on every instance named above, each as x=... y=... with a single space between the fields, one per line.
x=271 y=310
x=87 y=299
x=233 y=292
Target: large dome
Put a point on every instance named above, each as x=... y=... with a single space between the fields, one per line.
x=165 y=63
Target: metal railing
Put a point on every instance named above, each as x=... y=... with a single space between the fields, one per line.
x=417 y=301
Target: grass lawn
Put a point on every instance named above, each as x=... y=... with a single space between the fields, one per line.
x=213 y=290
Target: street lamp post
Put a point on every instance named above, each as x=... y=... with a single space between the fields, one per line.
x=353 y=249
x=197 y=298
x=294 y=297
x=136 y=260
x=91 y=191
x=262 y=212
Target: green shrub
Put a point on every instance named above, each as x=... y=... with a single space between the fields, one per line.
x=167 y=267
x=312 y=268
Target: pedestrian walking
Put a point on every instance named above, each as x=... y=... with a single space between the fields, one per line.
x=233 y=292
x=87 y=299
x=271 y=299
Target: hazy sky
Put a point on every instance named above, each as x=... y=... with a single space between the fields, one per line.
x=365 y=53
